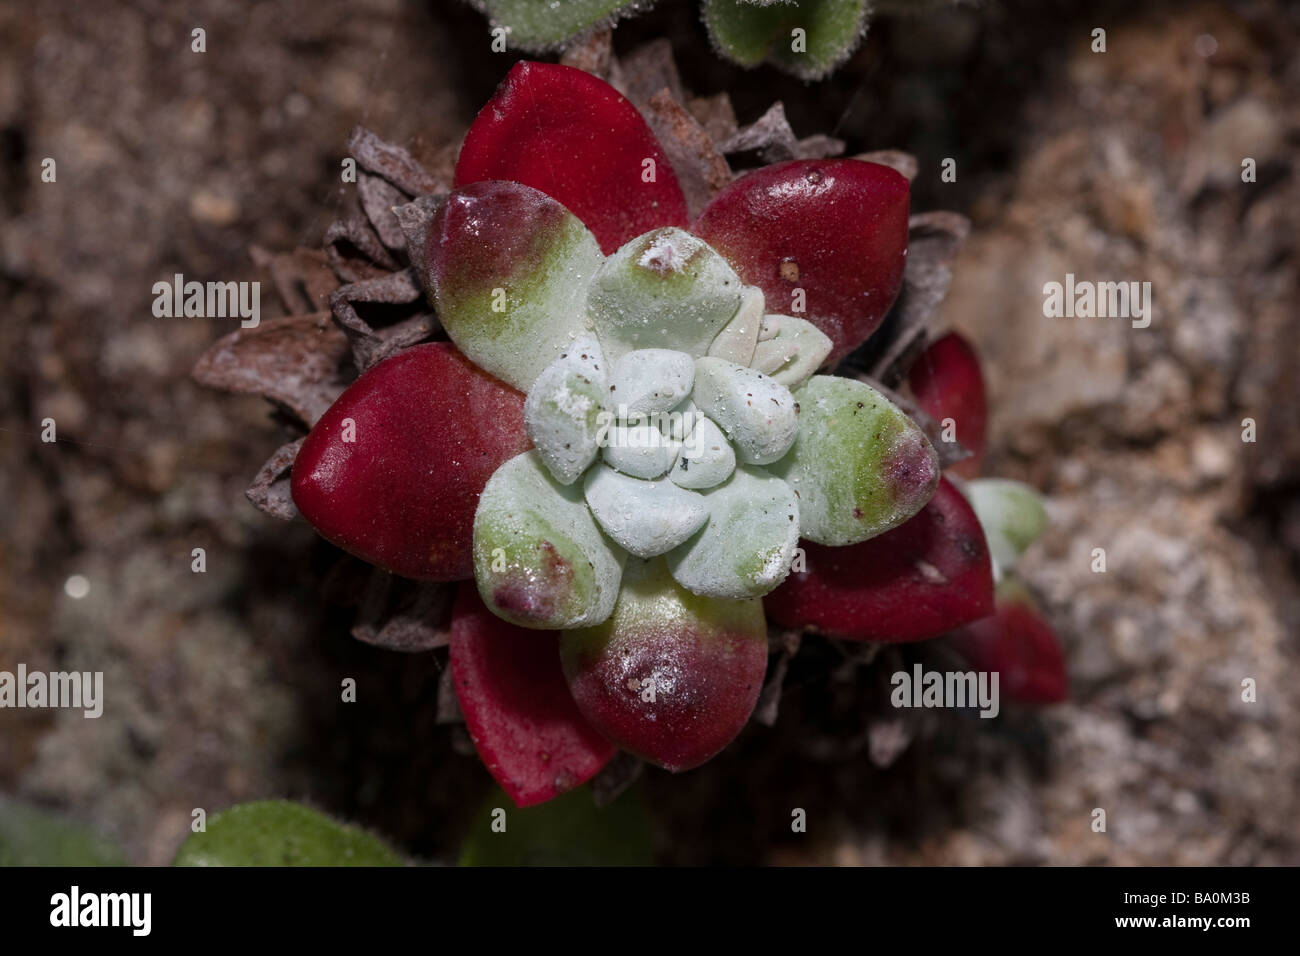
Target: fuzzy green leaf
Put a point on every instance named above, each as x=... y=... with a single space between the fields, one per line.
x=749 y=33
x=545 y=24
x=281 y=833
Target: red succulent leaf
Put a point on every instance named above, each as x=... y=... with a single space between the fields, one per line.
x=927 y=576
x=947 y=382
x=1020 y=646
x=393 y=470
x=580 y=141
x=526 y=726
x=671 y=676
x=835 y=228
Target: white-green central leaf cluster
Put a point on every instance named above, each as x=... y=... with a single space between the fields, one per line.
x=674 y=422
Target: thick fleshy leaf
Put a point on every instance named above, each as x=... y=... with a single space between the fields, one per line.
x=509 y=266
x=539 y=558
x=645 y=518
x=751 y=31
x=641 y=450
x=518 y=710
x=671 y=676
x=927 y=577
x=666 y=289
x=570 y=830
x=681 y=421
x=580 y=141
x=757 y=413
x=1012 y=515
x=531 y=25
x=650 y=380
x=563 y=410
x=706 y=460
x=947 y=383
x=834 y=228
x=792 y=355
x=393 y=470
x=736 y=342
x=746 y=548
x=859 y=465
x=281 y=833
x=1019 y=646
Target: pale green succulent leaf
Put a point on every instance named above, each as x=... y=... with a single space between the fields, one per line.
x=756 y=412
x=1012 y=515
x=747 y=547
x=859 y=465
x=737 y=340
x=664 y=289
x=707 y=458
x=645 y=518
x=639 y=449
x=540 y=560
x=650 y=380
x=509 y=278
x=562 y=413
x=796 y=351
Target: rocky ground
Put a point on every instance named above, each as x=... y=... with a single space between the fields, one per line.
x=223 y=686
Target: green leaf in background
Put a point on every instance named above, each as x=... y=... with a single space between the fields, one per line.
x=280 y=833
x=30 y=836
x=1012 y=515
x=749 y=32
x=543 y=24
x=567 y=831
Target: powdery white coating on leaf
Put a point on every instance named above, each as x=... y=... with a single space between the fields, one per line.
x=646 y=518
x=1011 y=514
x=508 y=266
x=757 y=412
x=736 y=342
x=540 y=560
x=640 y=450
x=563 y=408
x=860 y=465
x=748 y=545
x=770 y=328
x=706 y=460
x=663 y=289
x=794 y=354
x=650 y=380
x=680 y=421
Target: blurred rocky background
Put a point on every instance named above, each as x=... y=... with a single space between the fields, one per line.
x=224 y=686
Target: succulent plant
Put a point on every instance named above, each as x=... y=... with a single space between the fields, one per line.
x=630 y=449
x=808 y=38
